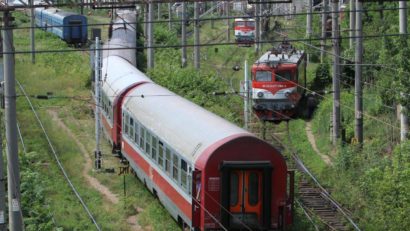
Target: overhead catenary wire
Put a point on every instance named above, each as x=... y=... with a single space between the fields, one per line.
x=179 y=46
x=212 y=19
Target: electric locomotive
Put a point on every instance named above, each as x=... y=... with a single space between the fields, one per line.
x=244 y=31
x=278 y=83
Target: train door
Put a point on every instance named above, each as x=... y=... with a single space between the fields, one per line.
x=245 y=204
x=75 y=33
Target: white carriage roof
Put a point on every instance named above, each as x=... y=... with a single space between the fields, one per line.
x=120 y=75
x=189 y=128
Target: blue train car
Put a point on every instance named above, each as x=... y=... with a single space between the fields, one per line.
x=70 y=27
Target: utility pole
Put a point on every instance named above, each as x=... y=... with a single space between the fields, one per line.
x=183 y=36
x=97 y=80
x=3 y=226
x=404 y=120
x=196 y=38
x=13 y=179
x=33 y=56
x=323 y=41
x=309 y=24
x=159 y=11
x=150 y=36
x=358 y=99
x=246 y=97
x=227 y=21
x=353 y=16
x=169 y=16
x=336 y=71
x=146 y=24
x=260 y=24
x=309 y=19
x=257 y=29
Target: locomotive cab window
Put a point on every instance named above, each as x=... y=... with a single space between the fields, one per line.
x=283 y=76
x=239 y=23
x=250 y=24
x=263 y=76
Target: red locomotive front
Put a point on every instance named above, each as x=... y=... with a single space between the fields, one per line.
x=278 y=83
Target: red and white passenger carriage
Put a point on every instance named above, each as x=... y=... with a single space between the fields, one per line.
x=207 y=172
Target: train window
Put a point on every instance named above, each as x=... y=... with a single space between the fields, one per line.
x=189 y=185
x=136 y=135
x=142 y=138
x=283 y=76
x=250 y=24
x=253 y=188
x=154 y=148
x=126 y=124
x=175 y=167
x=184 y=174
x=263 y=76
x=160 y=154
x=131 y=128
x=168 y=161
x=148 y=143
x=234 y=189
x=239 y=23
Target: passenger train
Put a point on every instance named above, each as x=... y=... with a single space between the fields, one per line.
x=70 y=27
x=207 y=172
x=278 y=83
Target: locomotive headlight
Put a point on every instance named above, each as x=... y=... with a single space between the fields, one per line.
x=260 y=94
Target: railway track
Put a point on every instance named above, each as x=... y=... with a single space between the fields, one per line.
x=58 y=161
x=314 y=199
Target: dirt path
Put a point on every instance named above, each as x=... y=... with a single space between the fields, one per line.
x=312 y=142
x=92 y=181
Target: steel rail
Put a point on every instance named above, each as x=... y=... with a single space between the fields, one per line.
x=60 y=165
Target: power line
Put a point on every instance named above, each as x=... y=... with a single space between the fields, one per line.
x=191 y=45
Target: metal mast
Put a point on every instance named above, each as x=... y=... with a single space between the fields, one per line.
x=358 y=99
x=404 y=120
x=309 y=19
x=336 y=71
x=352 y=22
x=196 y=38
x=323 y=41
x=3 y=226
x=169 y=16
x=246 y=97
x=257 y=28
x=150 y=36
x=13 y=179
x=183 y=36
x=33 y=55
x=97 y=80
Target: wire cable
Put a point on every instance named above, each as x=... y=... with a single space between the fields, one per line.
x=60 y=165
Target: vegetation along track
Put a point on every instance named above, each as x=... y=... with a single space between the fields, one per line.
x=60 y=165
x=313 y=198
